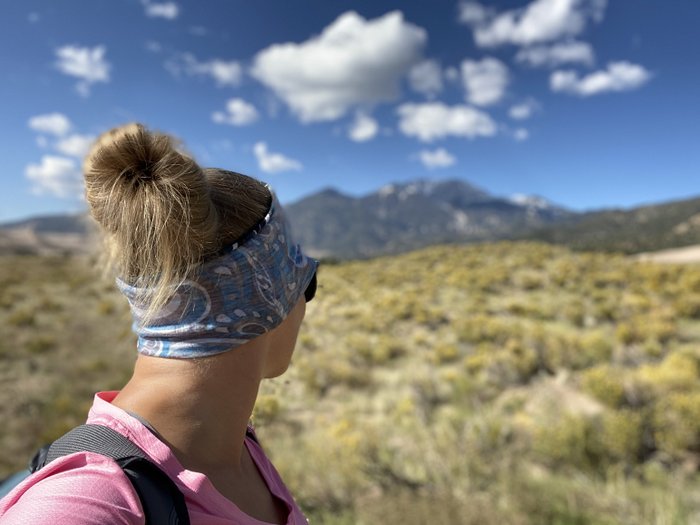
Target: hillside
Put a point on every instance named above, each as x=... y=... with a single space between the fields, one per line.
x=642 y=229
x=497 y=383
x=403 y=217
x=50 y=235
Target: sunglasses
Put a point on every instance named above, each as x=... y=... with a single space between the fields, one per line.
x=310 y=291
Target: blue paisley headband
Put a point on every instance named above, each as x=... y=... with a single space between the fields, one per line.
x=243 y=293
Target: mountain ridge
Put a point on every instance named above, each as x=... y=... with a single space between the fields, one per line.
x=400 y=217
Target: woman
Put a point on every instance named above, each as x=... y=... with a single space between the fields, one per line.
x=217 y=290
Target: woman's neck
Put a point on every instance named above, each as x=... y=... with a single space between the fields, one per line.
x=200 y=409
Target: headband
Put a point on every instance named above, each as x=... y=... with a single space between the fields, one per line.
x=238 y=296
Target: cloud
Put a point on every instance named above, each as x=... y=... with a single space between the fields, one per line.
x=364 y=128
x=153 y=46
x=85 y=63
x=540 y=21
x=54 y=123
x=238 y=113
x=557 y=54
x=426 y=77
x=274 y=162
x=352 y=62
x=619 y=76
x=57 y=176
x=225 y=73
x=198 y=31
x=75 y=145
x=435 y=120
x=473 y=13
x=452 y=74
x=440 y=158
x=167 y=10
x=521 y=134
x=524 y=110
x=485 y=80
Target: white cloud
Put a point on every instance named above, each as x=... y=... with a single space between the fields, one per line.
x=198 y=31
x=33 y=17
x=485 y=80
x=521 y=134
x=364 y=128
x=274 y=162
x=75 y=145
x=85 y=63
x=619 y=76
x=54 y=123
x=238 y=113
x=154 y=46
x=473 y=13
x=557 y=54
x=540 y=21
x=352 y=62
x=440 y=158
x=57 y=176
x=524 y=110
x=426 y=77
x=167 y=10
x=452 y=74
x=435 y=120
x=225 y=73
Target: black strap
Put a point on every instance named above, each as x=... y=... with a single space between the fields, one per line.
x=162 y=501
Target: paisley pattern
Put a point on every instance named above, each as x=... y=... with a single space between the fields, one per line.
x=242 y=294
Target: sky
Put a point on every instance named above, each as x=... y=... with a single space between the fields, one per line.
x=588 y=103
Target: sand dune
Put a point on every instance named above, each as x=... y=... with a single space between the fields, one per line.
x=685 y=255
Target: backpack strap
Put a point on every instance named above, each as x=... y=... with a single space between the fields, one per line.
x=161 y=500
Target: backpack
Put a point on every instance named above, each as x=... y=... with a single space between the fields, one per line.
x=162 y=501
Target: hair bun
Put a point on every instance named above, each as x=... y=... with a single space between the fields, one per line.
x=152 y=200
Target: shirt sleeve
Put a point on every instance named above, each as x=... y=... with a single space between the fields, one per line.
x=80 y=489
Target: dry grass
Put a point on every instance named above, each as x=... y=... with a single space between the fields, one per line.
x=506 y=383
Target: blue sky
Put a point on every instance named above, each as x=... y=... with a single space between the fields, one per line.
x=588 y=103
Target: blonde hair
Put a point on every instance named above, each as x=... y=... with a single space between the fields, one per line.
x=160 y=212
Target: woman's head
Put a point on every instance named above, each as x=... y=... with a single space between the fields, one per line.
x=167 y=222
x=161 y=213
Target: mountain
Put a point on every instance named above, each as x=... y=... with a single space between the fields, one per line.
x=401 y=217
x=49 y=235
x=646 y=228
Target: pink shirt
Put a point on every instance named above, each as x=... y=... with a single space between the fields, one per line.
x=90 y=489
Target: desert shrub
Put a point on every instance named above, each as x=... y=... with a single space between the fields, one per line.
x=627 y=333
x=678 y=371
x=483 y=328
x=596 y=347
x=558 y=350
x=633 y=304
x=106 y=307
x=41 y=344
x=445 y=353
x=566 y=441
x=523 y=357
x=528 y=280
x=49 y=304
x=605 y=384
x=574 y=312
x=619 y=436
x=688 y=305
x=676 y=422
x=322 y=373
x=267 y=409
x=22 y=318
